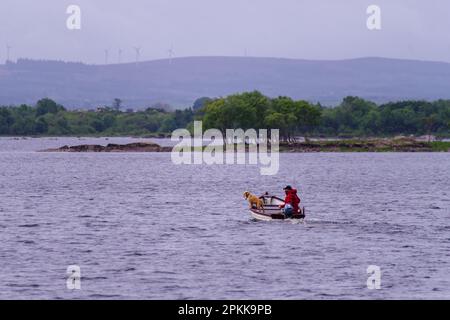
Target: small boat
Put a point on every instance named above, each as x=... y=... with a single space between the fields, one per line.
x=272 y=210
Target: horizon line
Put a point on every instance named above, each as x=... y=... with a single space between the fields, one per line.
x=223 y=57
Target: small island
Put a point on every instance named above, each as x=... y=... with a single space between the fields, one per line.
x=402 y=144
x=131 y=147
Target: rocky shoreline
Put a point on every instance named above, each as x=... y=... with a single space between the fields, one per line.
x=357 y=145
x=131 y=147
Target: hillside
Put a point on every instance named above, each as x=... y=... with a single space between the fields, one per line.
x=180 y=81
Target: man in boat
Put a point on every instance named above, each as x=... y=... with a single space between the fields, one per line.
x=291 y=202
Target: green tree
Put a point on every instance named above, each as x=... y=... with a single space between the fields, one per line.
x=46 y=105
x=282 y=112
x=6 y=120
x=168 y=125
x=308 y=117
x=117 y=104
x=200 y=103
x=41 y=125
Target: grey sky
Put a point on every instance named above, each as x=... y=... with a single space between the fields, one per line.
x=307 y=29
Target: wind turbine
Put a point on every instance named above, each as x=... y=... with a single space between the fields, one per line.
x=138 y=54
x=8 y=52
x=120 y=56
x=106 y=56
x=171 y=54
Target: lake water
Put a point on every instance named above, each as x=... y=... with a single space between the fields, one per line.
x=140 y=227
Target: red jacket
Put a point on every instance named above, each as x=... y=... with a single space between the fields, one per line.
x=293 y=199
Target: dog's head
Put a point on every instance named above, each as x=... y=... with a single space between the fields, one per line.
x=246 y=194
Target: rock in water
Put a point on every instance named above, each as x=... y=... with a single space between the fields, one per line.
x=131 y=147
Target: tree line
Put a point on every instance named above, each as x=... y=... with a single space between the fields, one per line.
x=354 y=116
x=47 y=118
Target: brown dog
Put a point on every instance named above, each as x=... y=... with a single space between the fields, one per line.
x=254 y=201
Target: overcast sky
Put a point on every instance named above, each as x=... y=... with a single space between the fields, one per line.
x=305 y=29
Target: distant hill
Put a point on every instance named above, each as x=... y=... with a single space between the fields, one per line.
x=180 y=81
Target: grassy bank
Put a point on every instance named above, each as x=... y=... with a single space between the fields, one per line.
x=356 y=145
x=369 y=145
